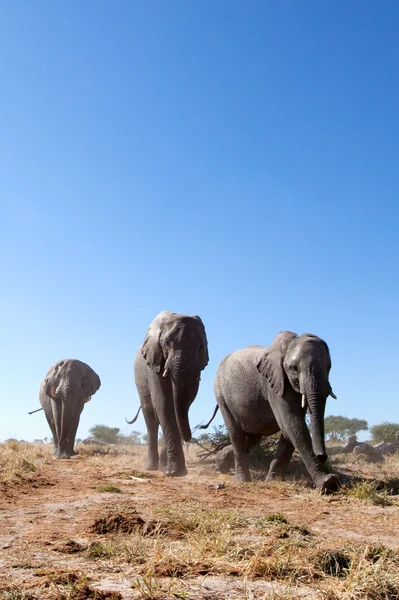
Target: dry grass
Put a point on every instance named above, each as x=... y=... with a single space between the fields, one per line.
x=58 y=585
x=369 y=493
x=20 y=461
x=163 y=536
x=106 y=450
x=194 y=540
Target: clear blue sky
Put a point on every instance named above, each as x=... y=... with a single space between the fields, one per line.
x=234 y=159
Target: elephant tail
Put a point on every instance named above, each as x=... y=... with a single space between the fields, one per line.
x=211 y=419
x=134 y=418
x=34 y=411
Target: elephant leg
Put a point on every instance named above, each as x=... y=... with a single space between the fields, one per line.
x=283 y=456
x=54 y=433
x=61 y=447
x=152 y=425
x=66 y=414
x=73 y=428
x=292 y=425
x=163 y=459
x=162 y=395
x=239 y=442
x=150 y=417
x=45 y=401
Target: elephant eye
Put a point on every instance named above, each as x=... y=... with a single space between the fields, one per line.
x=294 y=368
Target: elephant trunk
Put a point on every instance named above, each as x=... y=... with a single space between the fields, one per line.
x=316 y=409
x=57 y=408
x=181 y=401
x=184 y=374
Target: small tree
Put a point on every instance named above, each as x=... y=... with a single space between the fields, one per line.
x=218 y=439
x=211 y=443
x=134 y=437
x=385 y=432
x=356 y=425
x=339 y=429
x=103 y=433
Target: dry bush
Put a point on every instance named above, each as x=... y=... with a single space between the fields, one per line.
x=20 y=461
x=104 y=450
x=122 y=461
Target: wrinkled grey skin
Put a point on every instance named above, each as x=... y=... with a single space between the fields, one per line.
x=259 y=392
x=63 y=392
x=225 y=459
x=167 y=372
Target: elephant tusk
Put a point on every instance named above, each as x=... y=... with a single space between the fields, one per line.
x=333 y=395
x=87 y=399
x=165 y=373
x=52 y=391
x=303 y=400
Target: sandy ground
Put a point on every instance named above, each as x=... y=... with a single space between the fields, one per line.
x=39 y=519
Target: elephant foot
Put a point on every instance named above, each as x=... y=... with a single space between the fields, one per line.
x=223 y=470
x=151 y=466
x=163 y=459
x=176 y=473
x=329 y=484
x=242 y=477
x=274 y=477
x=62 y=455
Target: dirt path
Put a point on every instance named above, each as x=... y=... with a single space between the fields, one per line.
x=46 y=530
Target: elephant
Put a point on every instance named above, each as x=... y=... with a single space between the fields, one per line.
x=167 y=371
x=261 y=391
x=225 y=459
x=68 y=385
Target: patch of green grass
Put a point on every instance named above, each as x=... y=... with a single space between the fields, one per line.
x=367 y=492
x=277 y=519
x=101 y=550
x=27 y=465
x=112 y=489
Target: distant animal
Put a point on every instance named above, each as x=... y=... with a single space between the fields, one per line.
x=68 y=385
x=349 y=446
x=224 y=459
x=167 y=371
x=261 y=391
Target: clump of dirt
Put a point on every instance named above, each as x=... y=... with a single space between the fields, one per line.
x=58 y=578
x=133 y=474
x=130 y=522
x=69 y=547
x=141 y=475
x=181 y=569
x=76 y=586
x=88 y=593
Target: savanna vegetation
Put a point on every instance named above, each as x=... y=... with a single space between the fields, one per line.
x=99 y=526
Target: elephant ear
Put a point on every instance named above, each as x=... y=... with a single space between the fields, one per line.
x=151 y=348
x=90 y=382
x=52 y=379
x=203 y=354
x=270 y=365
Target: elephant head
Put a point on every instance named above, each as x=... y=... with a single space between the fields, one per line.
x=69 y=383
x=176 y=346
x=302 y=363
